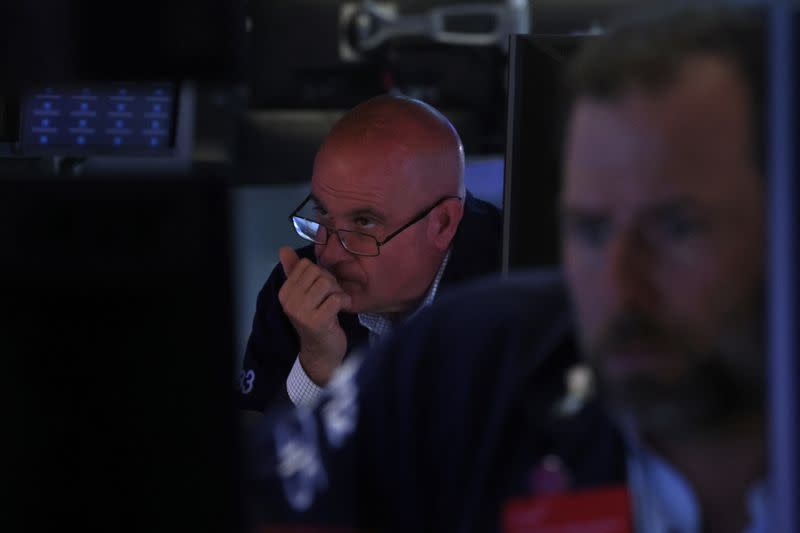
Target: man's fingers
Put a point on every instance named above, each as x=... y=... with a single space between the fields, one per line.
x=302 y=276
x=306 y=289
x=320 y=289
x=289 y=259
x=307 y=285
x=329 y=308
x=292 y=288
x=307 y=273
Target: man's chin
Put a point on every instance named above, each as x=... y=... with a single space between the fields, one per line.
x=358 y=304
x=639 y=380
x=652 y=406
x=361 y=304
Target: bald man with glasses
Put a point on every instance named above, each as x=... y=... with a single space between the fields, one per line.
x=390 y=222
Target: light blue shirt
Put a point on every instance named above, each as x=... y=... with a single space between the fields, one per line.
x=664 y=502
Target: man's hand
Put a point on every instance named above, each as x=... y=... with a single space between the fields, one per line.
x=312 y=298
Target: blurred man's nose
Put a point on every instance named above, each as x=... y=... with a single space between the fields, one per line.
x=628 y=276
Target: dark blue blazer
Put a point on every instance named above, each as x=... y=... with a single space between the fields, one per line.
x=273 y=344
x=443 y=423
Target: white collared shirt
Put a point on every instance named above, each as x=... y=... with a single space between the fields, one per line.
x=303 y=391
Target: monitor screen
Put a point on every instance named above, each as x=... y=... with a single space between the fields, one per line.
x=536 y=102
x=117 y=367
x=99 y=119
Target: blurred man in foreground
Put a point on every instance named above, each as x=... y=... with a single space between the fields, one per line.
x=481 y=416
x=391 y=223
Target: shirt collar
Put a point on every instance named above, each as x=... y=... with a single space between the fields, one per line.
x=663 y=499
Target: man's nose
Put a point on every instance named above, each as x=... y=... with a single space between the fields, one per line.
x=629 y=276
x=333 y=252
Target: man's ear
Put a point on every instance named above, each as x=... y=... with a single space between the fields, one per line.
x=444 y=223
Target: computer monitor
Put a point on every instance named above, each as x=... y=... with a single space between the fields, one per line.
x=536 y=100
x=116 y=374
x=83 y=119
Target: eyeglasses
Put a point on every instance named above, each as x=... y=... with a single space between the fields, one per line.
x=355 y=242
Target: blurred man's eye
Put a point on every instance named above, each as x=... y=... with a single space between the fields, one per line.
x=588 y=231
x=678 y=227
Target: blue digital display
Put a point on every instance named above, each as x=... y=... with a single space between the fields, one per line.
x=99 y=119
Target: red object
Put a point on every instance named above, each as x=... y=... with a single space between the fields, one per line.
x=605 y=510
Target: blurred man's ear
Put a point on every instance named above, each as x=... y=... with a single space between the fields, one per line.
x=444 y=222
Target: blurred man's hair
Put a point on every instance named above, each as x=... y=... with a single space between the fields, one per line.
x=648 y=51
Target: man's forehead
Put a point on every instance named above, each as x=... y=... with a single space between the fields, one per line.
x=361 y=175
x=691 y=134
x=611 y=151
x=343 y=200
x=349 y=173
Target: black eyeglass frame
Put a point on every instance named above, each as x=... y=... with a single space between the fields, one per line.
x=422 y=214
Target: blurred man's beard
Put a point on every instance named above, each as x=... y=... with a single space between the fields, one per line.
x=709 y=396
x=705 y=389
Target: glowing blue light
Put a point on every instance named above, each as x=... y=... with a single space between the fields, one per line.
x=120 y=123
x=81 y=139
x=157 y=108
x=43 y=139
x=153 y=141
x=117 y=141
x=120 y=107
x=47 y=104
x=45 y=122
x=82 y=123
x=84 y=106
x=155 y=124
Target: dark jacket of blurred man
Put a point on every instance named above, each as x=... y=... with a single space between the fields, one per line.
x=480 y=416
x=391 y=224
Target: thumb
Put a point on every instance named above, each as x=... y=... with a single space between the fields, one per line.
x=288 y=259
